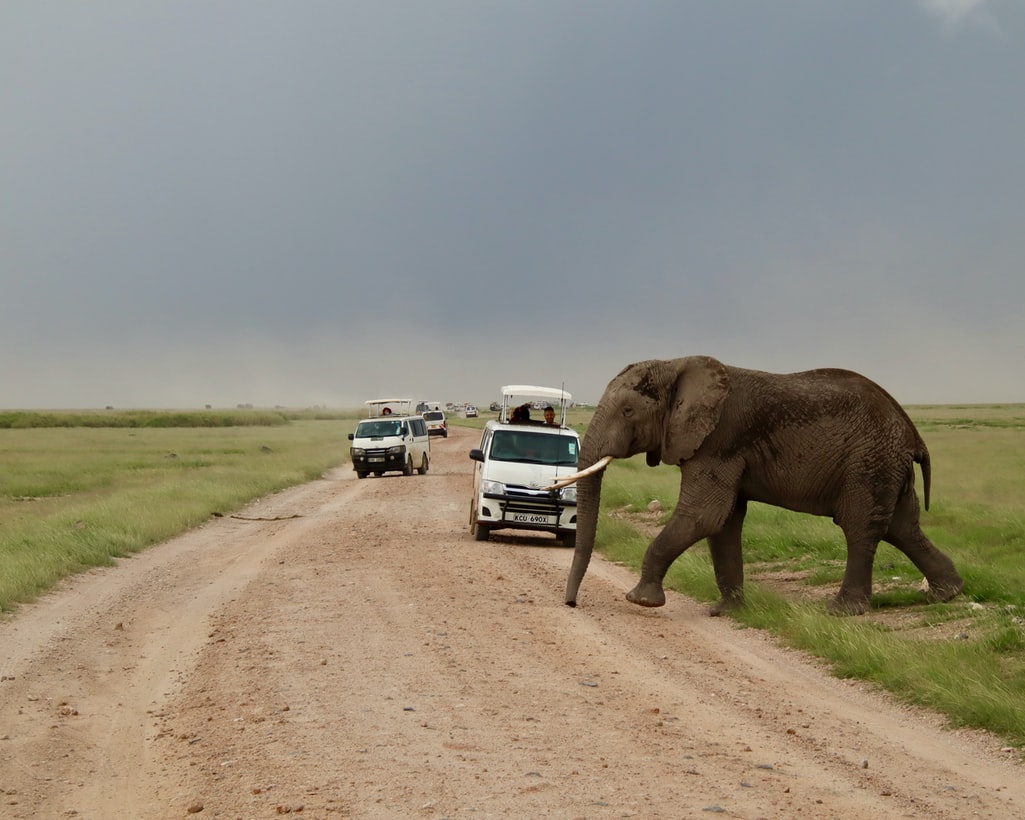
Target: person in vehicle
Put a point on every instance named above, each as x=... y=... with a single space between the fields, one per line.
x=549 y=412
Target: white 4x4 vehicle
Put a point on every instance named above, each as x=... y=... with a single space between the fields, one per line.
x=390 y=441
x=517 y=458
x=436 y=423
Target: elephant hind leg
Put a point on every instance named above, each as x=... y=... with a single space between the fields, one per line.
x=905 y=533
x=855 y=594
x=864 y=518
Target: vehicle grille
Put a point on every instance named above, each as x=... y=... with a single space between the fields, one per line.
x=523 y=500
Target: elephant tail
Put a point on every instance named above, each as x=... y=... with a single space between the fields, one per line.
x=922 y=457
x=920 y=453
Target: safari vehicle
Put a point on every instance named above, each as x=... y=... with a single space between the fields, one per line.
x=389 y=440
x=437 y=425
x=517 y=458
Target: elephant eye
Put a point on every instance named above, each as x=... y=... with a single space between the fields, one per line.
x=628 y=412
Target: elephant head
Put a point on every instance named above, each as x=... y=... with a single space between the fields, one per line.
x=665 y=409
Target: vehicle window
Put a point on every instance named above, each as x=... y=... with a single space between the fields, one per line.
x=370 y=429
x=535 y=448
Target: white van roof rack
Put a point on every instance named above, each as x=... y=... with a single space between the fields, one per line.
x=551 y=395
x=377 y=407
x=533 y=391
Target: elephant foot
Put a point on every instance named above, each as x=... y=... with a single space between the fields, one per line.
x=727 y=603
x=848 y=606
x=647 y=594
x=943 y=591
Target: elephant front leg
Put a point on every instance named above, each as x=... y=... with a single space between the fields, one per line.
x=676 y=538
x=728 y=562
x=649 y=590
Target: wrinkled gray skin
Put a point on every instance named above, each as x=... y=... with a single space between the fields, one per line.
x=825 y=442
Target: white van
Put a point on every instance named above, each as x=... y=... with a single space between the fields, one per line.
x=390 y=442
x=517 y=458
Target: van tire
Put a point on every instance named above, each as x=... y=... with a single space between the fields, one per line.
x=408 y=469
x=480 y=532
x=568 y=539
x=361 y=474
x=424 y=465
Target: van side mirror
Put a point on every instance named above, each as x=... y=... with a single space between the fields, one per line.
x=351 y=436
x=477 y=455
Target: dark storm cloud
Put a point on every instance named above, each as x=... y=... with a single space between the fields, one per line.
x=282 y=202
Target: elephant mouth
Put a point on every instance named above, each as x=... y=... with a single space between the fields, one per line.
x=653 y=457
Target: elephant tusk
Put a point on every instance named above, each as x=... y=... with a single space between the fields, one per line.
x=597 y=467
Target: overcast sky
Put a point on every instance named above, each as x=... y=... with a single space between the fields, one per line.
x=298 y=203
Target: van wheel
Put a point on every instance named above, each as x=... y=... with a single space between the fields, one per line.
x=361 y=474
x=569 y=539
x=408 y=469
x=480 y=532
x=424 y=465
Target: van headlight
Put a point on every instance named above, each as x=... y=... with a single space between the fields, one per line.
x=397 y=450
x=357 y=452
x=492 y=487
x=569 y=493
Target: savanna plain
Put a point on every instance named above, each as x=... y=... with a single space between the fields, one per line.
x=206 y=614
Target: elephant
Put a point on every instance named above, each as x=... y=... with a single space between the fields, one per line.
x=827 y=442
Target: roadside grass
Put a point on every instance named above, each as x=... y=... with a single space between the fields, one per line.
x=75 y=497
x=964 y=659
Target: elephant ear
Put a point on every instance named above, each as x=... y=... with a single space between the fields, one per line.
x=695 y=406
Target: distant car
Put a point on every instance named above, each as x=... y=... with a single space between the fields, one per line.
x=471 y=411
x=494 y=407
x=436 y=424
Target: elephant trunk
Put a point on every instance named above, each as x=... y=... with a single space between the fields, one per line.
x=588 y=500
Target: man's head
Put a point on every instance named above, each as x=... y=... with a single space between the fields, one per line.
x=549 y=415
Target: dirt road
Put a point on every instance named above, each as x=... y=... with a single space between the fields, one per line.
x=361 y=656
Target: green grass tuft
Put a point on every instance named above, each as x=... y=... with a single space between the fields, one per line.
x=72 y=498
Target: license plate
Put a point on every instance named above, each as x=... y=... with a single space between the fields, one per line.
x=532 y=518
x=376 y=458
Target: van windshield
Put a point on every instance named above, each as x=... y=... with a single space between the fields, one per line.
x=378 y=429
x=534 y=448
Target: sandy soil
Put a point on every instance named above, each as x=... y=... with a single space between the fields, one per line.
x=362 y=656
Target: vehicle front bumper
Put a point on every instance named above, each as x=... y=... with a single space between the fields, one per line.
x=377 y=460
x=527 y=510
